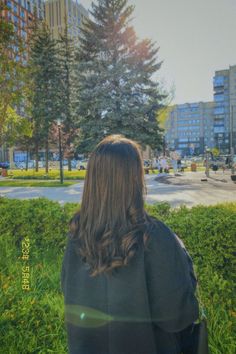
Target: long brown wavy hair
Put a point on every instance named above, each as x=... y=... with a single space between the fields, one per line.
x=111 y=223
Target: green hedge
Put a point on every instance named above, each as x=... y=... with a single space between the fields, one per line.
x=53 y=174
x=32 y=322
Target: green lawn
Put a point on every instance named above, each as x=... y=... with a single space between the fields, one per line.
x=33 y=183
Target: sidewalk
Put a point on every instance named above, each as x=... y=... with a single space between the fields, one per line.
x=218 y=179
x=187 y=189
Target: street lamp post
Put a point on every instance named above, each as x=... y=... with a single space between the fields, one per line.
x=60 y=150
x=207 y=162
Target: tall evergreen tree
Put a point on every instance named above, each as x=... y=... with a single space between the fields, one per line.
x=46 y=87
x=117 y=90
x=69 y=97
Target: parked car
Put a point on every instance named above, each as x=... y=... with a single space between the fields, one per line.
x=146 y=163
x=82 y=165
x=5 y=165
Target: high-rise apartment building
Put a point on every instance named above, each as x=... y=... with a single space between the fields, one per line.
x=21 y=13
x=62 y=13
x=189 y=127
x=224 y=85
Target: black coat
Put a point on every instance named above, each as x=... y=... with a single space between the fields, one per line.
x=142 y=308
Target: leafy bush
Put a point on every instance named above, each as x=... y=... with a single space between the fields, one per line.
x=209 y=236
x=42 y=175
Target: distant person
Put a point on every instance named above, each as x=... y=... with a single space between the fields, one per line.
x=179 y=165
x=164 y=165
x=174 y=158
x=159 y=164
x=227 y=161
x=127 y=280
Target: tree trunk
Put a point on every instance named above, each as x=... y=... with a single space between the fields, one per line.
x=36 y=156
x=27 y=159
x=69 y=164
x=46 y=155
x=11 y=157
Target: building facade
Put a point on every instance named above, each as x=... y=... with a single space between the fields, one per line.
x=62 y=13
x=21 y=13
x=224 y=85
x=189 y=128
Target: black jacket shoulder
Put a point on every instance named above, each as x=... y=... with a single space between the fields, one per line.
x=170 y=278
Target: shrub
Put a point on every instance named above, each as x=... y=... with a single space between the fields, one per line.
x=42 y=175
x=209 y=236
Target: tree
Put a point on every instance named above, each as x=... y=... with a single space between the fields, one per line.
x=46 y=84
x=215 y=151
x=117 y=92
x=68 y=150
x=15 y=127
x=13 y=86
x=69 y=97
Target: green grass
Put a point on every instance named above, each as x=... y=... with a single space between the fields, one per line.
x=32 y=321
x=30 y=183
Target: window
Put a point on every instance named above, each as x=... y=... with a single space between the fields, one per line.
x=183 y=128
x=9 y=4
x=23 y=34
x=219 y=129
x=22 y=13
x=219 y=122
x=219 y=97
x=15 y=9
x=20 y=156
x=218 y=81
x=16 y=21
x=219 y=110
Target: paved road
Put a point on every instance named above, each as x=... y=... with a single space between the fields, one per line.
x=190 y=194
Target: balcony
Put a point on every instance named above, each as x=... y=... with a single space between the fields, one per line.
x=219 y=110
x=218 y=81
x=219 y=129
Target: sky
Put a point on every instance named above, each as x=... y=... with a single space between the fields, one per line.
x=196 y=38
